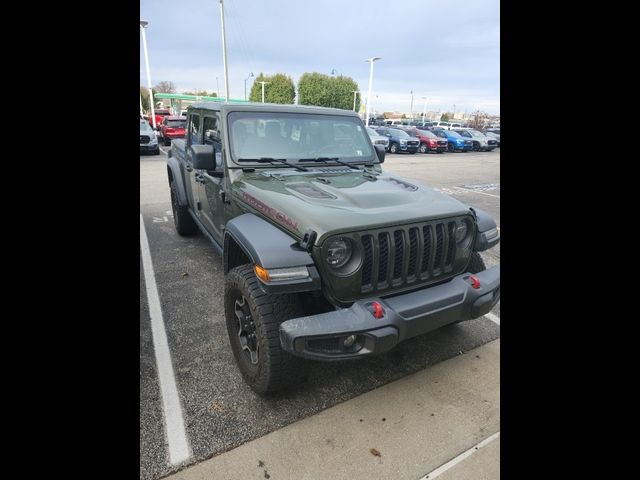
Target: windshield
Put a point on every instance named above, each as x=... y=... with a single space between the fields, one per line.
x=144 y=125
x=427 y=133
x=399 y=133
x=176 y=123
x=292 y=136
x=454 y=134
x=371 y=131
x=465 y=133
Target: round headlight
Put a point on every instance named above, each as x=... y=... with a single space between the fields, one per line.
x=339 y=252
x=461 y=231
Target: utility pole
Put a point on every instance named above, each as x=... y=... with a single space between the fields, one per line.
x=263 y=84
x=224 y=55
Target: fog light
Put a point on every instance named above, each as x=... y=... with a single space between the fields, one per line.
x=349 y=341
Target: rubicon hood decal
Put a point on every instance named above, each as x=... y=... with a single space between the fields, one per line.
x=270 y=212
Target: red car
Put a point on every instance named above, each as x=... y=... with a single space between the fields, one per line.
x=160 y=114
x=429 y=141
x=172 y=127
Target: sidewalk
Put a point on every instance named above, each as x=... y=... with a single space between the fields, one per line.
x=415 y=424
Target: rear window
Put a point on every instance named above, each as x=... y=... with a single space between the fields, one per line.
x=176 y=123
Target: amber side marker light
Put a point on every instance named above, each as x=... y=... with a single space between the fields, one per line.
x=261 y=273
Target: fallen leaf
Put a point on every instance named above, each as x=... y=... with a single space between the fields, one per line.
x=375 y=452
x=185 y=274
x=260 y=463
x=217 y=407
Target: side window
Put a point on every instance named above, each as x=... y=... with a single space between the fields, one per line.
x=194 y=130
x=211 y=133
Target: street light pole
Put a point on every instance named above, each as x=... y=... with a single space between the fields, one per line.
x=411 y=105
x=355 y=92
x=370 y=60
x=143 y=25
x=424 y=109
x=224 y=54
x=263 y=84
x=454 y=112
x=245 y=85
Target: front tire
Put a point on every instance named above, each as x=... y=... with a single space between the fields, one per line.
x=393 y=148
x=253 y=319
x=476 y=264
x=185 y=226
x=167 y=142
x=423 y=148
x=451 y=147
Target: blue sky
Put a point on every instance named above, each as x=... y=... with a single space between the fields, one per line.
x=447 y=50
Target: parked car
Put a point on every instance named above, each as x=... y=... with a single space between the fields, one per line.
x=455 y=141
x=172 y=127
x=495 y=136
x=444 y=125
x=429 y=141
x=378 y=139
x=399 y=140
x=148 y=139
x=160 y=114
x=481 y=143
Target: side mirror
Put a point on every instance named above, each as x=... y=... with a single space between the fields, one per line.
x=380 y=152
x=203 y=158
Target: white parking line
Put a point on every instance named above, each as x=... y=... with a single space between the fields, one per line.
x=163 y=151
x=493 y=318
x=179 y=450
x=443 y=468
x=476 y=191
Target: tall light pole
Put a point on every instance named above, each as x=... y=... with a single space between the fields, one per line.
x=224 y=55
x=245 y=85
x=355 y=92
x=411 y=105
x=424 y=109
x=217 y=88
x=141 y=112
x=263 y=84
x=454 y=112
x=143 y=25
x=370 y=60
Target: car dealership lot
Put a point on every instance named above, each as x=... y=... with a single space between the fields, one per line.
x=219 y=411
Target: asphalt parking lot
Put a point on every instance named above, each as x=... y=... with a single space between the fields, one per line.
x=219 y=411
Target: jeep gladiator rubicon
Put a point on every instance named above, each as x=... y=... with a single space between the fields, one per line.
x=326 y=256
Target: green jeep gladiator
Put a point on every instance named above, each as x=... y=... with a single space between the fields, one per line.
x=326 y=257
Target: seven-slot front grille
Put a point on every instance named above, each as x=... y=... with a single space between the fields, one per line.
x=406 y=255
x=144 y=139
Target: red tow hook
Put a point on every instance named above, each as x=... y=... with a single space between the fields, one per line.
x=378 y=312
x=475 y=282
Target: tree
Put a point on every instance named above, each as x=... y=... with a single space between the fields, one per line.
x=201 y=93
x=279 y=90
x=325 y=91
x=144 y=94
x=445 y=117
x=165 y=87
x=478 y=119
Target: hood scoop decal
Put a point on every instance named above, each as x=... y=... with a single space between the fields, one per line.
x=309 y=190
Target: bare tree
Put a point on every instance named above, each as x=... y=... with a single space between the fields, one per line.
x=478 y=119
x=165 y=87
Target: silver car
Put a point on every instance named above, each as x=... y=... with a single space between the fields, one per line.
x=378 y=139
x=481 y=143
x=148 y=138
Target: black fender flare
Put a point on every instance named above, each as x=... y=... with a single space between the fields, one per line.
x=174 y=166
x=271 y=248
x=487 y=233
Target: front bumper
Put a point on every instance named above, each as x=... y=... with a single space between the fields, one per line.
x=321 y=337
x=148 y=147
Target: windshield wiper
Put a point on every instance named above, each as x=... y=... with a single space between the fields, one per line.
x=334 y=159
x=272 y=160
